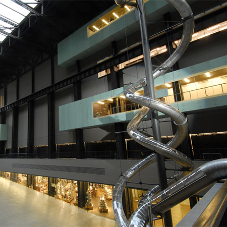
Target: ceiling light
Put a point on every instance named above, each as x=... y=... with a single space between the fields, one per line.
x=136 y=93
x=126 y=7
x=195 y=34
x=202 y=36
x=95 y=27
x=223 y=28
x=100 y=102
x=213 y=27
x=187 y=80
x=193 y=83
x=115 y=15
x=214 y=79
x=110 y=100
x=168 y=85
x=122 y=96
x=208 y=74
x=105 y=21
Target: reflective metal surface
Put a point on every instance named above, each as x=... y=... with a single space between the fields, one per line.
x=188 y=185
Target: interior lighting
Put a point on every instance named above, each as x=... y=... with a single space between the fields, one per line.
x=122 y=96
x=213 y=27
x=137 y=94
x=204 y=36
x=95 y=27
x=126 y=7
x=115 y=15
x=110 y=100
x=223 y=28
x=187 y=80
x=193 y=83
x=100 y=102
x=105 y=21
x=168 y=85
x=208 y=74
x=214 y=79
x=195 y=34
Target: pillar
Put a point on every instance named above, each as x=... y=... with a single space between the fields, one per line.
x=80 y=151
x=3 y=121
x=51 y=116
x=14 y=145
x=31 y=111
x=82 y=189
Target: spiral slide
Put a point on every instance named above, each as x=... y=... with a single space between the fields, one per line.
x=155 y=202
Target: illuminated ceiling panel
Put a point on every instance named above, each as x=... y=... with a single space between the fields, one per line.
x=12 y=13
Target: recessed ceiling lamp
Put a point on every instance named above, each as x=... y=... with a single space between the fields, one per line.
x=168 y=85
x=126 y=7
x=187 y=80
x=95 y=27
x=223 y=28
x=115 y=15
x=208 y=74
x=110 y=100
x=213 y=27
x=105 y=21
x=214 y=79
x=100 y=102
x=122 y=96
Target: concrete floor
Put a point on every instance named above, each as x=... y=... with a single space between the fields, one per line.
x=22 y=206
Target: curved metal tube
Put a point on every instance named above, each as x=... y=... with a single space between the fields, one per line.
x=189 y=184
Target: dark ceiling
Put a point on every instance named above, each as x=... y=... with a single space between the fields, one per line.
x=38 y=36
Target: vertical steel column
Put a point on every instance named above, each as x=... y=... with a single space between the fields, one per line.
x=30 y=136
x=80 y=151
x=51 y=116
x=178 y=94
x=82 y=189
x=3 y=121
x=14 y=144
x=151 y=92
x=119 y=127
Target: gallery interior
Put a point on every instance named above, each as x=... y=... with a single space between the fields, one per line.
x=65 y=68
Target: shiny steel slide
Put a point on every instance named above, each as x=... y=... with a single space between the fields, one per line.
x=181 y=187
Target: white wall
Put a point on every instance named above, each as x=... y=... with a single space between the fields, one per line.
x=25 y=85
x=9 y=122
x=43 y=75
x=93 y=86
x=11 y=92
x=23 y=126
x=62 y=97
x=133 y=74
x=41 y=122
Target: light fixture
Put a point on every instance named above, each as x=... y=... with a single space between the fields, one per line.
x=187 y=80
x=105 y=21
x=126 y=7
x=115 y=15
x=213 y=27
x=193 y=83
x=110 y=100
x=122 y=96
x=223 y=28
x=100 y=102
x=208 y=74
x=168 y=85
x=136 y=93
x=195 y=34
x=95 y=27
x=202 y=36
x=214 y=79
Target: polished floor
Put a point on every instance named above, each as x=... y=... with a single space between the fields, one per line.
x=22 y=206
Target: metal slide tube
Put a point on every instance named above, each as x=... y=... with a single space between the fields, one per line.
x=186 y=186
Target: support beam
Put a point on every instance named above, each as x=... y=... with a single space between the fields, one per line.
x=80 y=150
x=151 y=91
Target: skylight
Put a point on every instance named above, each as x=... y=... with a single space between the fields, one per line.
x=12 y=13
